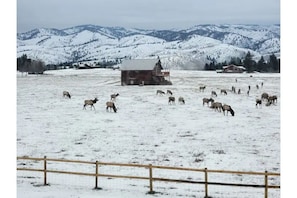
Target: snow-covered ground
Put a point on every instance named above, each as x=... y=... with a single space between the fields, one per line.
x=146 y=130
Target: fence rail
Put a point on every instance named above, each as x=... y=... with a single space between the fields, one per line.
x=150 y=177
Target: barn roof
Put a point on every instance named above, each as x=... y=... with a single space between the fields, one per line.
x=238 y=66
x=139 y=64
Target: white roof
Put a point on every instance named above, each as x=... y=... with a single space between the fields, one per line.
x=238 y=66
x=139 y=64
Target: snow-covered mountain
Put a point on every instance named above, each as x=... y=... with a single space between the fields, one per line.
x=178 y=48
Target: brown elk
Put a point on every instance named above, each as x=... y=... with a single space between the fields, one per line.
x=202 y=88
x=264 y=96
x=258 y=102
x=160 y=92
x=111 y=105
x=213 y=93
x=217 y=106
x=181 y=100
x=171 y=100
x=114 y=96
x=66 y=94
x=91 y=103
x=206 y=100
x=169 y=92
x=272 y=99
x=223 y=91
x=227 y=108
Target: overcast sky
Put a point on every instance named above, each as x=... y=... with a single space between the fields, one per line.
x=150 y=14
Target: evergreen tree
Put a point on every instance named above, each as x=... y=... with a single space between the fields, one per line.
x=273 y=64
x=23 y=63
x=261 y=65
x=235 y=61
x=31 y=66
x=249 y=63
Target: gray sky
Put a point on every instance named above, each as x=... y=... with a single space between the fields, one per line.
x=150 y=14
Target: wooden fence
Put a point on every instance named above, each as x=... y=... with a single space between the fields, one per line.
x=149 y=176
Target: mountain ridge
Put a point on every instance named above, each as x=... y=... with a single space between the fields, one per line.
x=99 y=43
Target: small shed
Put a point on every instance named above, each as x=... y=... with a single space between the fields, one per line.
x=144 y=72
x=233 y=69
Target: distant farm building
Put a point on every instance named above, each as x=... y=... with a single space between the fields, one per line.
x=144 y=72
x=232 y=69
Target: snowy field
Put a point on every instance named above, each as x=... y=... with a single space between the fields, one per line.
x=146 y=130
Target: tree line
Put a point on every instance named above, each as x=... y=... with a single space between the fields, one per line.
x=30 y=66
x=270 y=66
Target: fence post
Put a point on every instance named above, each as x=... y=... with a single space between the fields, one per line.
x=151 y=179
x=44 y=172
x=96 y=177
x=266 y=185
x=206 y=181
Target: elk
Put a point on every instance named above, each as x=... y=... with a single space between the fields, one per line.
x=114 y=96
x=171 y=100
x=223 y=91
x=91 y=103
x=181 y=100
x=201 y=88
x=66 y=94
x=206 y=100
x=169 y=92
x=258 y=102
x=228 y=108
x=160 y=92
x=213 y=93
x=111 y=105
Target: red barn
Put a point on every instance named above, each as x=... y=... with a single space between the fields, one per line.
x=143 y=72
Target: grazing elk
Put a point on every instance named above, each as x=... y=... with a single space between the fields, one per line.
x=272 y=99
x=110 y=105
x=227 y=108
x=202 y=88
x=114 y=96
x=258 y=102
x=171 y=100
x=213 y=93
x=91 y=103
x=66 y=94
x=264 y=96
x=223 y=91
x=206 y=100
x=217 y=106
x=169 y=92
x=160 y=92
x=181 y=100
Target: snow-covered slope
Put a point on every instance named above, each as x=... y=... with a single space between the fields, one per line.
x=188 y=48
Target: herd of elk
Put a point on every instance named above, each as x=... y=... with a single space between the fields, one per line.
x=171 y=98
x=217 y=106
x=109 y=105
